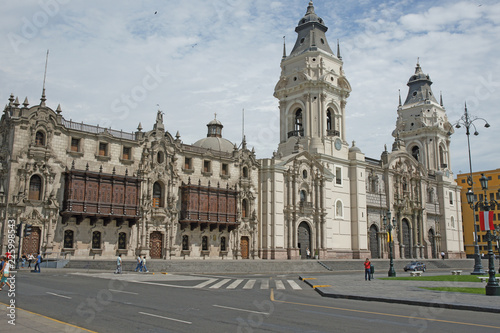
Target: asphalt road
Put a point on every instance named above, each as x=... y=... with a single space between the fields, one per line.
x=170 y=303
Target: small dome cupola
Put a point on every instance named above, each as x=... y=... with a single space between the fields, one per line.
x=214 y=128
x=420 y=87
x=311 y=33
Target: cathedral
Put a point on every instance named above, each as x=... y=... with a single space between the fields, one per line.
x=93 y=192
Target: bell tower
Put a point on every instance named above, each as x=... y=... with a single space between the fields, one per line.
x=423 y=125
x=312 y=91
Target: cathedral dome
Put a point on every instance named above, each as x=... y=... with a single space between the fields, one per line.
x=214 y=139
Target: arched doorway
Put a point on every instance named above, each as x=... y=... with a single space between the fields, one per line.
x=156 y=244
x=406 y=238
x=31 y=244
x=432 y=241
x=374 y=242
x=244 y=247
x=304 y=239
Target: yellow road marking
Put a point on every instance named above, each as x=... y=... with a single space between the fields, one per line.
x=303 y=279
x=380 y=313
x=58 y=321
x=321 y=286
x=163 y=273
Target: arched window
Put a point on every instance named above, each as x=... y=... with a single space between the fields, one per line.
x=157 y=195
x=40 y=138
x=298 y=123
x=452 y=222
x=339 y=209
x=415 y=152
x=244 y=208
x=245 y=172
x=329 y=120
x=303 y=196
x=96 y=240
x=68 y=239
x=442 y=157
x=204 y=243
x=185 y=243
x=122 y=241
x=223 y=243
x=35 y=192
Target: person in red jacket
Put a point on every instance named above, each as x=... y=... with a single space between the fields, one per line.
x=368 y=265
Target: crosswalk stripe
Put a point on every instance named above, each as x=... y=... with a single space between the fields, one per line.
x=220 y=284
x=249 y=284
x=234 y=284
x=294 y=285
x=204 y=284
x=279 y=284
x=265 y=284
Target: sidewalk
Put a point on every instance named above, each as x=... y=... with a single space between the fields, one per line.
x=28 y=322
x=354 y=286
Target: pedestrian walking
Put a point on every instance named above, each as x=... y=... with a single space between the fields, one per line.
x=139 y=264
x=372 y=270
x=367 y=264
x=144 y=268
x=5 y=273
x=24 y=258
x=38 y=262
x=30 y=259
x=308 y=253
x=442 y=255
x=119 y=264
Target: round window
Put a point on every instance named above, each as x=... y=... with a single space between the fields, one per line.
x=414 y=93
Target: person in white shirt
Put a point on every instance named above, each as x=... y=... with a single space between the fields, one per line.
x=144 y=268
x=119 y=265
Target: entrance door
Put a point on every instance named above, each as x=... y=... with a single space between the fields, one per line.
x=406 y=238
x=31 y=244
x=432 y=240
x=244 y=247
x=304 y=238
x=156 y=243
x=374 y=246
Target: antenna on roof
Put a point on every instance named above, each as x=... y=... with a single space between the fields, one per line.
x=43 y=99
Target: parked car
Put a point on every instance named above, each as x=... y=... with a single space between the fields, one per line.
x=415 y=266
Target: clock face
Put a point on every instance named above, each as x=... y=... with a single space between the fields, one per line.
x=338 y=144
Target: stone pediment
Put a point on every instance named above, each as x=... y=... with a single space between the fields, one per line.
x=310 y=159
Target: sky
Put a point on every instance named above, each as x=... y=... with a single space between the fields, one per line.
x=115 y=63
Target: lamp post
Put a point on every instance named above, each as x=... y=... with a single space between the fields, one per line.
x=468 y=122
x=492 y=287
x=389 y=226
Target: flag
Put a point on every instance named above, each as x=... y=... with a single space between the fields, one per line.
x=486 y=221
x=389 y=237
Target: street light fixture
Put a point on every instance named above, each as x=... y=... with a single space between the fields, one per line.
x=468 y=122
x=389 y=226
x=492 y=287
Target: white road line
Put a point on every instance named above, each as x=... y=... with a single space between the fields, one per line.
x=121 y=291
x=220 y=284
x=230 y=308
x=235 y=284
x=58 y=295
x=279 y=284
x=178 y=320
x=161 y=284
x=249 y=284
x=265 y=284
x=204 y=284
x=294 y=285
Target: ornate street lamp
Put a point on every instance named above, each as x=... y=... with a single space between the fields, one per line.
x=468 y=122
x=389 y=226
x=492 y=287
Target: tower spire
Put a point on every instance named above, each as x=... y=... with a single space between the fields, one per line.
x=441 y=98
x=338 y=50
x=399 y=91
x=43 y=99
x=284 y=48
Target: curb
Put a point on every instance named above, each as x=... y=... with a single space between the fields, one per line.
x=324 y=293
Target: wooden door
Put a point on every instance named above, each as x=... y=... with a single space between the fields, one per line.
x=244 y=247
x=304 y=239
x=31 y=244
x=156 y=244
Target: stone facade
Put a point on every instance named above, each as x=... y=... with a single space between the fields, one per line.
x=95 y=192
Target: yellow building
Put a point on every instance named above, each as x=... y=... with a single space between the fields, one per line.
x=467 y=215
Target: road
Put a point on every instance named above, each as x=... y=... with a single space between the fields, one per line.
x=103 y=302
